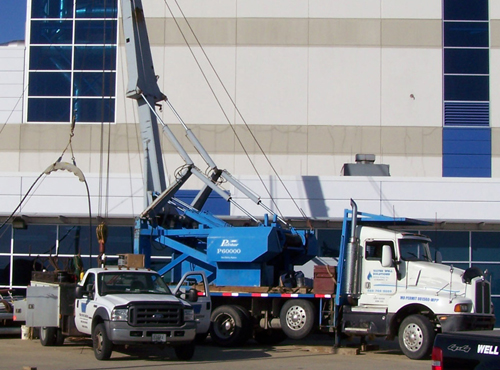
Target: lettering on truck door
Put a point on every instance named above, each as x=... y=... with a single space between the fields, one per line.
x=377 y=282
x=85 y=307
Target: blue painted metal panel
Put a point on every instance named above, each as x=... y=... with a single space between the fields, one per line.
x=466 y=152
x=467 y=161
x=466 y=172
x=243 y=244
x=466 y=134
x=467 y=148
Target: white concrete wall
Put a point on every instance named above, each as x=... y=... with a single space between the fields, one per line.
x=11 y=82
x=331 y=78
x=325 y=197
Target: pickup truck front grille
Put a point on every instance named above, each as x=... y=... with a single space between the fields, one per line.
x=155 y=314
x=483 y=297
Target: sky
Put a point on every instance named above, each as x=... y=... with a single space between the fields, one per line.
x=12 y=20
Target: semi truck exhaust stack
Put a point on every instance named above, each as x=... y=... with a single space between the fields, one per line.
x=351 y=289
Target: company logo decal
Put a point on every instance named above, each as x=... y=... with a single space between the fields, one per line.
x=229 y=243
x=455 y=348
x=487 y=349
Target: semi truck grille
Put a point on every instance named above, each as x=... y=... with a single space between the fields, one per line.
x=150 y=314
x=483 y=297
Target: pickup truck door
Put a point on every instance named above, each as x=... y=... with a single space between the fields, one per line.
x=203 y=306
x=85 y=306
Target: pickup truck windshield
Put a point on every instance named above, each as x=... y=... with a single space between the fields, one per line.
x=414 y=250
x=123 y=282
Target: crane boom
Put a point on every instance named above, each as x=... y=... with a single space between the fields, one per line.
x=198 y=238
x=142 y=87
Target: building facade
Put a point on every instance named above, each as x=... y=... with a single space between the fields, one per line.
x=281 y=93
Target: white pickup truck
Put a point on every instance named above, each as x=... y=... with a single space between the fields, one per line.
x=117 y=306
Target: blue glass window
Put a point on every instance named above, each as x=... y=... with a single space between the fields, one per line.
x=466 y=61
x=94 y=84
x=49 y=109
x=453 y=245
x=95 y=58
x=76 y=38
x=466 y=34
x=94 y=110
x=485 y=246
x=5 y=237
x=51 y=32
x=4 y=270
x=96 y=8
x=95 y=32
x=50 y=58
x=329 y=242
x=120 y=240
x=36 y=239
x=52 y=8
x=49 y=84
x=466 y=88
x=75 y=239
x=474 y=10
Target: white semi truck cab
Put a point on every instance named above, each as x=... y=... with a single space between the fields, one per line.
x=114 y=306
x=391 y=286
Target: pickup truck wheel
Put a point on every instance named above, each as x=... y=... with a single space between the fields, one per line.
x=228 y=327
x=416 y=336
x=185 y=352
x=297 y=318
x=48 y=336
x=101 y=343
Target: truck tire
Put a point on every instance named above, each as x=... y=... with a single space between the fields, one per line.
x=185 y=352
x=416 y=336
x=48 y=336
x=297 y=318
x=59 y=338
x=229 y=326
x=101 y=343
x=247 y=324
x=269 y=337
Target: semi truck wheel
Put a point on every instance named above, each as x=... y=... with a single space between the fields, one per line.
x=48 y=336
x=185 y=352
x=297 y=318
x=228 y=327
x=101 y=343
x=416 y=336
x=59 y=338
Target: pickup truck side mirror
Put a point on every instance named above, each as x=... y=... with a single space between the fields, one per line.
x=192 y=295
x=387 y=256
x=80 y=291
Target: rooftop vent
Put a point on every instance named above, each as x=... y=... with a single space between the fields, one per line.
x=365 y=166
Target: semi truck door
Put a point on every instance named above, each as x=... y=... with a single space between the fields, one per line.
x=377 y=282
x=203 y=306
